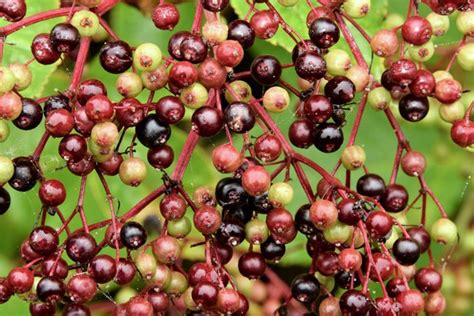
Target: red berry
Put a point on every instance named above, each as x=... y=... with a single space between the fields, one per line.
x=256 y=180
x=20 y=280
x=207 y=220
x=59 y=123
x=52 y=192
x=226 y=158
x=172 y=206
x=416 y=30
x=229 y=53
x=165 y=16
x=264 y=23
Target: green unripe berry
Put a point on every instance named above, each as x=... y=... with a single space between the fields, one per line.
x=7 y=80
x=465 y=23
x=280 y=193
x=392 y=239
x=441 y=75
x=451 y=112
x=444 y=231
x=327 y=281
x=147 y=57
x=338 y=233
x=180 y=227
x=359 y=76
x=6 y=169
x=156 y=79
x=104 y=134
x=393 y=20
x=100 y=35
x=129 y=84
x=379 y=98
x=423 y=52
x=178 y=284
x=276 y=99
x=188 y=300
x=100 y=154
x=288 y=3
x=4 y=131
x=146 y=265
x=215 y=32
x=194 y=96
x=465 y=57
x=162 y=277
x=132 y=171
x=86 y=22
x=23 y=76
x=241 y=91
x=357 y=8
x=124 y=295
x=256 y=231
x=439 y=23
x=337 y=62
x=353 y=157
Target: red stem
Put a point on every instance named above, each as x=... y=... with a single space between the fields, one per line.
x=80 y=63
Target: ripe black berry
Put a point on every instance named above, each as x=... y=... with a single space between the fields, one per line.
x=324 y=32
x=25 y=176
x=406 y=251
x=328 y=137
x=413 y=108
x=242 y=32
x=133 y=235
x=266 y=70
x=239 y=117
x=152 y=132
x=116 y=57
x=305 y=288
x=64 y=37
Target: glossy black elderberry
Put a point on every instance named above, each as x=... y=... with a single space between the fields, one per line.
x=174 y=44
x=324 y=32
x=413 y=108
x=31 y=115
x=242 y=32
x=4 y=200
x=193 y=49
x=303 y=221
x=133 y=235
x=305 y=288
x=340 y=90
x=239 y=117
x=229 y=192
x=214 y=5
x=310 y=66
x=25 y=175
x=231 y=233
x=56 y=102
x=241 y=214
x=152 y=132
x=262 y=204
x=64 y=37
x=406 y=251
x=266 y=70
x=328 y=137
x=354 y=303
x=271 y=250
x=50 y=289
x=371 y=185
x=116 y=57
x=303 y=47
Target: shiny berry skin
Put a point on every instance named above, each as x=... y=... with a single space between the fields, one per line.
x=413 y=163
x=52 y=192
x=406 y=251
x=59 y=123
x=327 y=263
x=125 y=272
x=256 y=180
x=129 y=112
x=379 y=224
x=271 y=250
x=413 y=108
x=81 y=288
x=211 y=73
x=266 y=70
x=99 y=108
x=301 y=133
x=424 y=83
x=239 y=117
x=416 y=30
x=403 y=72
x=354 y=303
x=264 y=23
x=303 y=220
x=462 y=133
x=267 y=147
x=82 y=124
x=151 y=132
x=30 y=116
x=428 y=280
x=56 y=102
x=310 y=66
x=76 y=310
x=207 y=121
x=323 y=213
x=348 y=212
x=421 y=236
x=346 y=280
x=44 y=240
x=193 y=49
x=4 y=200
x=226 y=158
x=43 y=50
x=13 y=10
x=350 y=260
x=252 y=265
x=64 y=37
x=242 y=32
x=214 y=5
x=301 y=48
x=60 y=267
x=50 y=289
x=340 y=90
x=139 y=306
x=230 y=192
x=231 y=231
x=20 y=279
x=160 y=157
x=448 y=91
x=199 y=272
x=382 y=265
x=183 y=74
x=116 y=57
x=328 y=137
x=102 y=268
x=205 y=294
x=42 y=309
x=174 y=44
x=166 y=249
x=305 y=288
x=395 y=286
x=323 y=32
x=165 y=16
x=133 y=235
x=371 y=185
x=411 y=302
x=89 y=88
x=25 y=175
x=81 y=247
x=318 y=108
x=395 y=198
x=207 y=220
x=82 y=167
x=229 y=53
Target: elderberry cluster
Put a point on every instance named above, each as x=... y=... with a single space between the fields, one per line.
x=357 y=238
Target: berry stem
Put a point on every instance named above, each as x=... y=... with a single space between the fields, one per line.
x=80 y=63
x=350 y=40
x=108 y=29
x=39 y=149
x=357 y=26
x=358 y=119
x=197 y=18
x=396 y=164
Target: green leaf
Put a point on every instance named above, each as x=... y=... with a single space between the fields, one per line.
x=17 y=47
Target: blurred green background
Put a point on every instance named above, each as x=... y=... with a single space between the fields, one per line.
x=449 y=171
